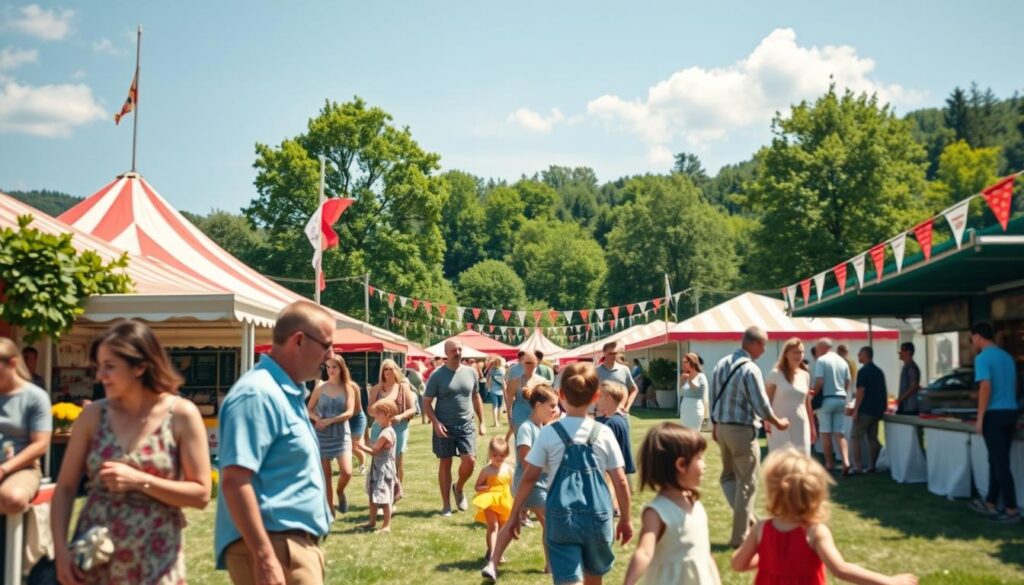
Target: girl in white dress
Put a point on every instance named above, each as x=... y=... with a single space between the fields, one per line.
x=674 y=544
x=693 y=393
x=787 y=386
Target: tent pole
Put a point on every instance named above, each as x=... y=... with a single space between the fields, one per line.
x=319 y=270
x=366 y=298
x=871 y=334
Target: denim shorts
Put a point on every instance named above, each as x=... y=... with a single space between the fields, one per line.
x=461 y=440
x=578 y=545
x=497 y=399
x=831 y=415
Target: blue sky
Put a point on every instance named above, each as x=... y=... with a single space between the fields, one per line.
x=497 y=89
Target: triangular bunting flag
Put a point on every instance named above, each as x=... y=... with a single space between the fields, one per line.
x=878 y=259
x=380 y=294
x=899 y=247
x=490 y=314
x=459 y=312
x=522 y=317
x=553 y=316
x=585 y=316
x=629 y=308
x=615 y=312
x=391 y=299
x=923 y=235
x=426 y=306
x=600 y=314
x=791 y=294
x=858 y=269
x=840 y=271
x=442 y=309
x=415 y=304
x=675 y=299
x=568 y=317
x=536 y=317
x=957 y=218
x=476 y=313
x=657 y=303
x=1000 y=198
x=642 y=305
x=372 y=290
x=805 y=288
x=785 y=299
x=490 y=328
x=819 y=284
x=506 y=314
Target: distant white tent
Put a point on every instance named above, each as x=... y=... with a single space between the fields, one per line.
x=538 y=341
x=437 y=350
x=592 y=351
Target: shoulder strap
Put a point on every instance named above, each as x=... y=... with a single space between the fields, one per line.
x=736 y=366
x=594 y=432
x=561 y=433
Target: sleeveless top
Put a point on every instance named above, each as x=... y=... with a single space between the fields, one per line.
x=787 y=558
x=147 y=534
x=333 y=439
x=683 y=554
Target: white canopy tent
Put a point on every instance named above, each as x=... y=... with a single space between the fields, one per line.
x=592 y=351
x=538 y=341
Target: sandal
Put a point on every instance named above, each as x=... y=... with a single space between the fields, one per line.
x=981 y=507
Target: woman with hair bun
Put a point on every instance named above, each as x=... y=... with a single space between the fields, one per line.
x=145 y=454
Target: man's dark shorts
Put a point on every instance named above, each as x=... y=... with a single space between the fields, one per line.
x=461 y=440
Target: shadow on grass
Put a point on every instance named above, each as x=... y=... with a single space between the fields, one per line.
x=916 y=512
x=471 y=565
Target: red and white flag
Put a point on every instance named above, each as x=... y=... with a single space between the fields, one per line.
x=957 y=218
x=129 y=103
x=320 y=232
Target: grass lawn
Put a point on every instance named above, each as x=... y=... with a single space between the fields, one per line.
x=877 y=522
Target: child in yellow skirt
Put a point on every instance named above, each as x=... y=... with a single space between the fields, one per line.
x=493 y=500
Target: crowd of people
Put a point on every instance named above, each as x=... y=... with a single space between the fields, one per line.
x=565 y=460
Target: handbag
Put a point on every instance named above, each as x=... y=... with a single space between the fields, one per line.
x=93 y=549
x=817 y=400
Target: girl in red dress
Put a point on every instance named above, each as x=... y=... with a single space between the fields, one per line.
x=794 y=546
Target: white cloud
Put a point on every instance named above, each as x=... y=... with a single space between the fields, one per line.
x=534 y=122
x=104 y=45
x=14 y=58
x=46 y=110
x=79 y=75
x=702 y=106
x=48 y=25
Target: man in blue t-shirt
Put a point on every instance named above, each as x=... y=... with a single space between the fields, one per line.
x=998 y=408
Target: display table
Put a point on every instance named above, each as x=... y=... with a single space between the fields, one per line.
x=949 y=474
x=980 y=468
x=905 y=456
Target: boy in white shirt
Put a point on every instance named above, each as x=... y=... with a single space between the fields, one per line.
x=576 y=452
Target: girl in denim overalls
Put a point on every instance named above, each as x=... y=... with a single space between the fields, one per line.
x=575 y=452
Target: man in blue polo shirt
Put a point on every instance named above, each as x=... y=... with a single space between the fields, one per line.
x=998 y=409
x=272 y=512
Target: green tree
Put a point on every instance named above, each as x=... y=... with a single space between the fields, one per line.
x=235 y=234
x=540 y=201
x=52 y=203
x=958 y=114
x=46 y=281
x=667 y=228
x=504 y=214
x=393 y=228
x=689 y=164
x=841 y=175
x=491 y=284
x=463 y=225
x=560 y=263
x=726 y=188
x=962 y=172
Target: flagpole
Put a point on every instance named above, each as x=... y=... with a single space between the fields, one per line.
x=366 y=298
x=319 y=270
x=135 y=118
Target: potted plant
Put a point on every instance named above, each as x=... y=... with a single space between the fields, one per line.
x=662 y=374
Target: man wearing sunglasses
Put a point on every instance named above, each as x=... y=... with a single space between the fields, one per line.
x=273 y=514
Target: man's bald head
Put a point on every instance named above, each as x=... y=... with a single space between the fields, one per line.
x=299 y=316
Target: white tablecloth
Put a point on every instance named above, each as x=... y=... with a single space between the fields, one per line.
x=906 y=459
x=949 y=468
x=979 y=466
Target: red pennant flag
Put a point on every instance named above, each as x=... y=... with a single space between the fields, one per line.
x=588 y=327
x=805 y=288
x=840 y=272
x=923 y=234
x=613 y=322
x=999 y=198
x=783 y=289
x=476 y=313
x=615 y=313
x=506 y=314
x=553 y=316
x=469 y=326
x=133 y=98
x=536 y=317
x=391 y=298
x=426 y=306
x=491 y=329
x=629 y=308
x=372 y=290
x=415 y=304
x=442 y=308
x=322 y=282
x=585 y=316
x=657 y=303
x=878 y=258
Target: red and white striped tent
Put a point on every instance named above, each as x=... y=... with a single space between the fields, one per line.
x=592 y=351
x=130 y=214
x=717 y=332
x=538 y=341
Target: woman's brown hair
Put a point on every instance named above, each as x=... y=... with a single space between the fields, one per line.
x=9 y=353
x=694 y=361
x=135 y=343
x=579 y=383
x=539 y=394
x=344 y=377
x=783 y=363
x=665 y=444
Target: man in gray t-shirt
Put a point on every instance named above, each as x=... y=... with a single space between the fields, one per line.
x=450 y=400
x=25 y=421
x=616 y=372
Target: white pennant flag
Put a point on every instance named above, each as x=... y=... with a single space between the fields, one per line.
x=600 y=314
x=490 y=315
x=403 y=300
x=459 y=311
x=858 y=267
x=675 y=299
x=899 y=246
x=819 y=284
x=522 y=317
x=957 y=218
x=503 y=329
x=642 y=305
x=380 y=294
x=568 y=317
x=791 y=296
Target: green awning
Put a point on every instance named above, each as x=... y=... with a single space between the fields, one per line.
x=989 y=260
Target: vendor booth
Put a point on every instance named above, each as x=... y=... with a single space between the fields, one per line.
x=485 y=345
x=592 y=351
x=979 y=278
x=362 y=353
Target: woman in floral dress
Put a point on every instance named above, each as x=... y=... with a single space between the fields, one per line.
x=146 y=457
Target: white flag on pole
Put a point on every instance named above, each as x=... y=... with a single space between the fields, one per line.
x=957 y=218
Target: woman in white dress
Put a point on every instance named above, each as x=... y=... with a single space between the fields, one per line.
x=693 y=393
x=787 y=386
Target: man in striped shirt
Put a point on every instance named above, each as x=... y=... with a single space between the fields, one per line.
x=739 y=403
